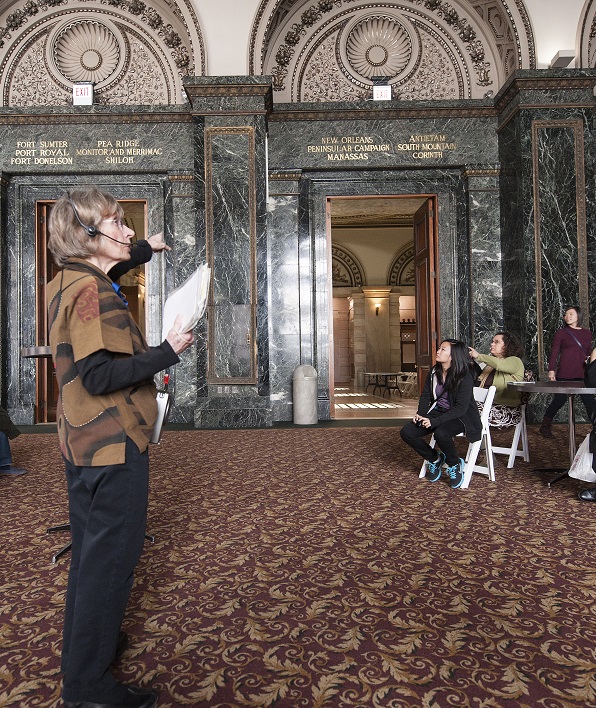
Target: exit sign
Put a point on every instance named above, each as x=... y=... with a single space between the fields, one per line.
x=82 y=94
x=381 y=93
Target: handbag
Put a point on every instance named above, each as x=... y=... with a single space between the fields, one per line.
x=581 y=467
x=164 y=402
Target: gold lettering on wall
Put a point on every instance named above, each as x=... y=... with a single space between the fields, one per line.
x=424 y=146
x=429 y=146
x=41 y=152
x=348 y=147
x=119 y=152
x=60 y=152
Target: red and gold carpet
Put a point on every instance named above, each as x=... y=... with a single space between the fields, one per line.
x=305 y=568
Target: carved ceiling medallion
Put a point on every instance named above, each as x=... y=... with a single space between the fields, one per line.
x=86 y=49
x=378 y=46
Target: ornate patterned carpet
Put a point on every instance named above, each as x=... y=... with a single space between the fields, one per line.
x=306 y=568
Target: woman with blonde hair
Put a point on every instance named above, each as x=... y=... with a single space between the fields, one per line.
x=105 y=416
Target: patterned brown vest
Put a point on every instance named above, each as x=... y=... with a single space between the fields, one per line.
x=85 y=316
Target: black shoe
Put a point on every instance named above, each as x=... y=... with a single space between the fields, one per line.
x=121 y=647
x=456 y=474
x=435 y=469
x=136 y=697
x=11 y=469
x=588 y=494
x=545 y=429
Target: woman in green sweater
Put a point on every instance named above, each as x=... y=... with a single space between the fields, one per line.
x=502 y=365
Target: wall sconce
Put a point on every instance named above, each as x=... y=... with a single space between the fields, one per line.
x=377 y=308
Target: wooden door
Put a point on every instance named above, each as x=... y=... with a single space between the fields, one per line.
x=133 y=285
x=427 y=293
x=330 y=311
x=46 y=394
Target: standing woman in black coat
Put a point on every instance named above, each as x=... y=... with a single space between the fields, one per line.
x=446 y=408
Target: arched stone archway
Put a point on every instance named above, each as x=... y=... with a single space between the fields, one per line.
x=586 y=37
x=401 y=270
x=347 y=270
x=333 y=50
x=134 y=54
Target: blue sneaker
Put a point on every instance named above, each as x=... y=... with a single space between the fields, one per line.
x=434 y=469
x=456 y=474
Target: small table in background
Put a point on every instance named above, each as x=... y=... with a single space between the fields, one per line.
x=386 y=381
x=570 y=389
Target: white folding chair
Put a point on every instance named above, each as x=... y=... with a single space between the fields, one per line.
x=486 y=397
x=409 y=385
x=520 y=435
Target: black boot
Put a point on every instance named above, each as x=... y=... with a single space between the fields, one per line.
x=544 y=429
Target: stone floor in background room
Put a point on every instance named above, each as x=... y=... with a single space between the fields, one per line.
x=351 y=403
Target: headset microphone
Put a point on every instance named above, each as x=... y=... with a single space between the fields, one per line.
x=93 y=231
x=122 y=243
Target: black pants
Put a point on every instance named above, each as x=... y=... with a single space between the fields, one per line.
x=108 y=513
x=414 y=436
x=559 y=400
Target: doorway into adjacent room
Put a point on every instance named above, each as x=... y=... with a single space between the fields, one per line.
x=132 y=284
x=384 y=323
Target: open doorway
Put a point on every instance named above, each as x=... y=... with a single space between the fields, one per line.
x=132 y=284
x=384 y=326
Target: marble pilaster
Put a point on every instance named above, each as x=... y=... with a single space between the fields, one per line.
x=482 y=192
x=546 y=129
x=231 y=166
x=284 y=289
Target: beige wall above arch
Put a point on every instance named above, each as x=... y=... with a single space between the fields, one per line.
x=135 y=54
x=332 y=50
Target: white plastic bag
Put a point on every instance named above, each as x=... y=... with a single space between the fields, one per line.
x=581 y=467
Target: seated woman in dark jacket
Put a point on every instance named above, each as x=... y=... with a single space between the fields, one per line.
x=446 y=408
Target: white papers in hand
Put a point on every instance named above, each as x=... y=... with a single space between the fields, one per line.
x=188 y=300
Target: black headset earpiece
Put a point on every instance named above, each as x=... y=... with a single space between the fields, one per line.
x=92 y=231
